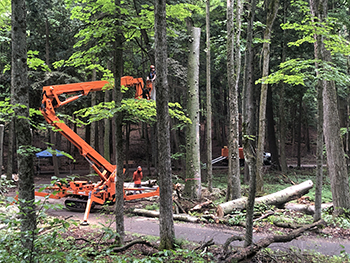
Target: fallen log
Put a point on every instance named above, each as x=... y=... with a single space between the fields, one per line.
x=180 y=217
x=278 y=199
x=251 y=250
x=305 y=208
x=202 y=205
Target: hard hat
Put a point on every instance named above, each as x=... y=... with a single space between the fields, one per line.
x=139 y=168
x=152 y=66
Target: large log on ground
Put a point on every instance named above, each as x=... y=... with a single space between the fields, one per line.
x=278 y=199
x=180 y=217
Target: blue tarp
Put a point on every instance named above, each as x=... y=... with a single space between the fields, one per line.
x=47 y=154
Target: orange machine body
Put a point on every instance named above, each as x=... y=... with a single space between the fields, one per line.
x=224 y=152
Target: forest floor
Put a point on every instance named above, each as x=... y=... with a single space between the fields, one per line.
x=264 y=227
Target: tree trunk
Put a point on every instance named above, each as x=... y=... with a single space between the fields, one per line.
x=107 y=130
x=233 y=72
x=209 y=109
x=118 y=72
x=10 y=150
x=336 y=163
x=248 y=103
x=278 y=199
x=299 y=131
x=93 y=125
x=2 y=129
x=20 y=96
x=282 y=129
x=319 y=147
x=271 y=135
x=193 y=169
x=166 y=223
x=271 y=15
x=248 y=127
x=54 y=157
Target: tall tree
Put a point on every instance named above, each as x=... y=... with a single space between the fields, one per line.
x=233 y=72
x=336 y=163
x=209 y=108
x=20 y=97
x=248 y=127
x=193 y=169
x=248 y=105
x=272 y=8
x=166 y=223
x=118 y=71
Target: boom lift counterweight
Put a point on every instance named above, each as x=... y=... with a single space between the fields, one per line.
x=83 y=195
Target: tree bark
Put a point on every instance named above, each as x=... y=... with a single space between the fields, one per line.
x=278 y=199
x=193 y=169
x=336 y=163
x=54 y=157
x=319 y=146
x=2 y=129
x=179 y=217
x=233 y=72
x=271 y=16
x=20 y=95
x=166 y=223
x=271 y=134
x=107 y=130
x=209 y=108
x=10 y=150
x=248 y=100
x=119 y=151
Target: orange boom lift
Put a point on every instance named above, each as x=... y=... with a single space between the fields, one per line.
x=83 y=195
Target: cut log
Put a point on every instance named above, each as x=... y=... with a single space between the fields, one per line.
x=305 y=208
x=278 y=199
x=202 y=205
x=180 y=217
x=251 y=250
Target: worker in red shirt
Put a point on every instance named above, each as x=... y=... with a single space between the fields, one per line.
x=137 y=176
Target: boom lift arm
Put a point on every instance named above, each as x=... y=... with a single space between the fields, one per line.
x=85 y=194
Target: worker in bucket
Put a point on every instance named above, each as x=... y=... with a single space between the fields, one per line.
x=152 y=73
x=150 y=79
x=137 y=177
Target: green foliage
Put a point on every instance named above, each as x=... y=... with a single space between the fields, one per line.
x=296 y=72
x=6 y=110
x=4 y=186
x=27 y=150
x=5 y=11
x=34 y=62
x=132 y=110
x=153 y=207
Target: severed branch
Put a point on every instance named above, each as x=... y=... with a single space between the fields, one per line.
x=230 y=240
x=205 y=245
x=180 y=217
x=251 y=250
x=134 y=242
x=202 y=205
x=179 y=206
x=269 y=213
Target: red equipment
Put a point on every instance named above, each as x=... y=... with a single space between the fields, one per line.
x=83 y=195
